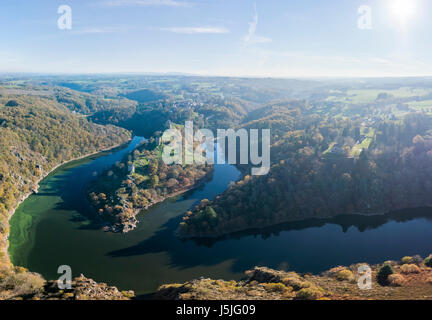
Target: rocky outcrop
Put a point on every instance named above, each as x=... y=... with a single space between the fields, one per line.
x=263 y=274
x=261 y=284
x=83 y=289
x=124 y=226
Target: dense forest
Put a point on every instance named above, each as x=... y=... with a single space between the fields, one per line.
x=322 y=168
x=148 y=118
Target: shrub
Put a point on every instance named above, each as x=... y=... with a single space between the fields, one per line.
x=407 y=259
x=384 y=272
x=296 y=283
x=275 y=287
x=345 y=275
x=128 y=294
x=396 y=280
x=417 y=259
x=4 y=225
x=24 y=283
x=18 y=269
x=292 y=274
x=428 y=261
x=186 y=296
x=410 y=268
x=334 y=271
x=68 y=295
x=171 y=285
x=5 y=271
x=311 y=293
x=12 y=103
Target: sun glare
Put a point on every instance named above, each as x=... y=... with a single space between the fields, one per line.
x=403 y=10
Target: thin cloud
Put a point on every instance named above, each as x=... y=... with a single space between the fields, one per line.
x=197 y=30
x=99 y=30
x=251 y=37
x=142 y=3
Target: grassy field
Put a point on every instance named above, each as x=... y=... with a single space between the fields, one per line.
x=420 y=105
x=357 y=149
x=370 y=95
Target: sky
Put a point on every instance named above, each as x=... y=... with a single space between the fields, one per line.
x=261 y=38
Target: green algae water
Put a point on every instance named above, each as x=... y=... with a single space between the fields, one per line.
x=52 y=228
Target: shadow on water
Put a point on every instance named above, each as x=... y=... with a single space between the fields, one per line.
x=362 y=223
x=192 y=252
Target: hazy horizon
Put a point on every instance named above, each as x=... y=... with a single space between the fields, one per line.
x=181 y=74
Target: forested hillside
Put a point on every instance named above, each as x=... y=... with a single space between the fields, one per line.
x=148 y=118
x=85 y=103
x=324 y=167
x=37 y=134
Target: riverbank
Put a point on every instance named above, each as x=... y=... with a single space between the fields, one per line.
x=131 y=224
x=35 y=189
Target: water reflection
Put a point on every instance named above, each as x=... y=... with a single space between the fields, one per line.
x=361 y=222
x=243 y=247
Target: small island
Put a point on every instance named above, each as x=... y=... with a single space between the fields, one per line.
x=138 y=182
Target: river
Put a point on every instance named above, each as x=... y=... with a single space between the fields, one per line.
x=50 y=229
